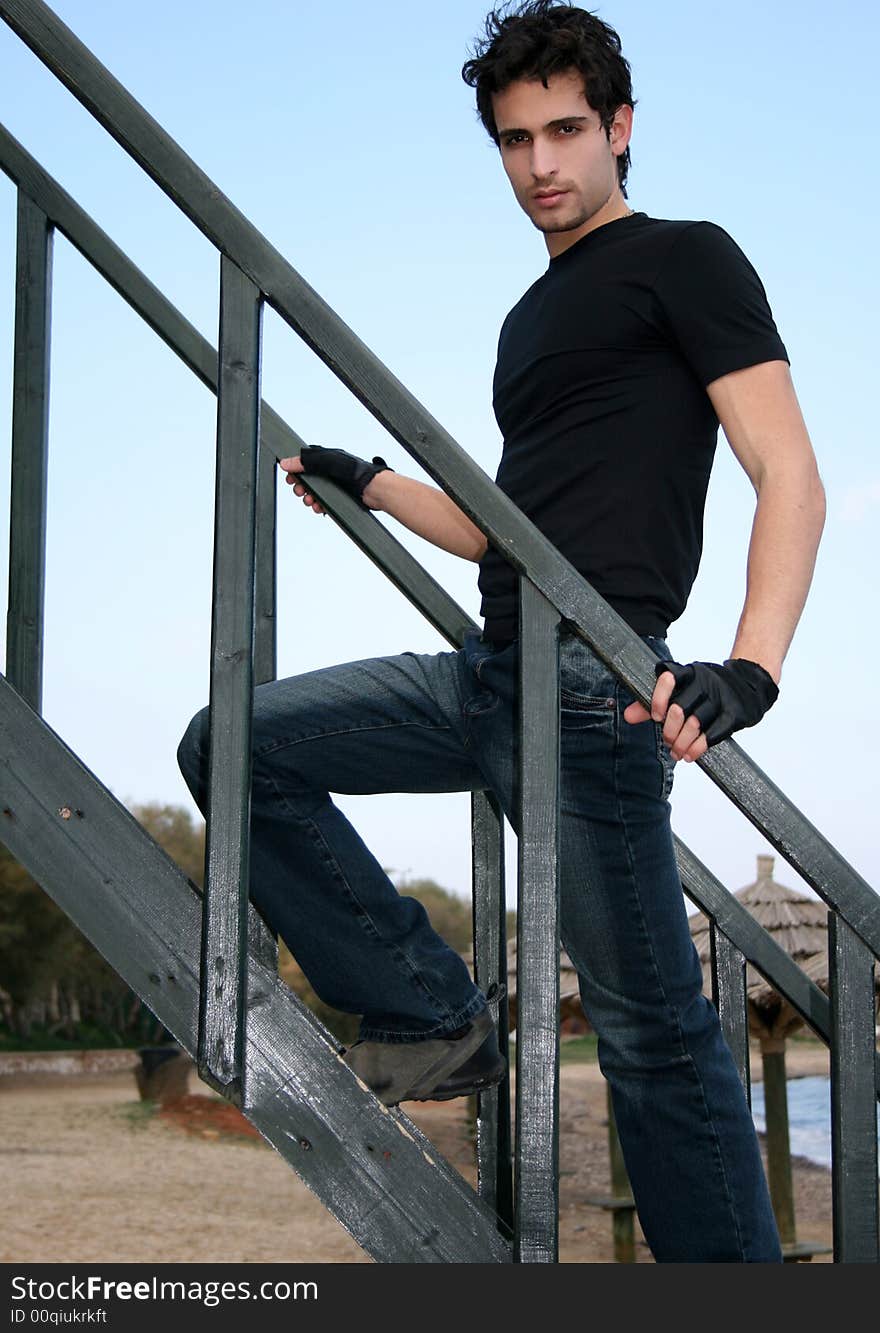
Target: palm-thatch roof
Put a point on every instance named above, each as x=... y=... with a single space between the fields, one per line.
x=569 y=994
x=798 y=924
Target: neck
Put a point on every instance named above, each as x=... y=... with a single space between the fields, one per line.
x=615 y=207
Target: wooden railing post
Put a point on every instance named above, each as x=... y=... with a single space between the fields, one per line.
x=224 y=935
x=729 y=997
x=261 y=940
x=253 y=271
x=853 y=1097
x=536 y=1217
x=494 y=1166
x=504 y=523
x=30 y=434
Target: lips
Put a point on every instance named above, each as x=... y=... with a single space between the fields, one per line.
x=549 y=197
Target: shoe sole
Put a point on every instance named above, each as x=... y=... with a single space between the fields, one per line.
x=446 y=1064
x=475 y=1085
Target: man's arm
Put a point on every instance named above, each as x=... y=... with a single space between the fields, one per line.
x=761 y=417
x=423 y=509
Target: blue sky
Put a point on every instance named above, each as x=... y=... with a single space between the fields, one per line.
x=346 y=135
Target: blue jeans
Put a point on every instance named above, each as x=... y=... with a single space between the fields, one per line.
x=447 y=722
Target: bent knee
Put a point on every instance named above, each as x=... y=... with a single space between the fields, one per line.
x=192 y=752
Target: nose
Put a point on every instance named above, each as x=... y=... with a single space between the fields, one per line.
x=543 y=163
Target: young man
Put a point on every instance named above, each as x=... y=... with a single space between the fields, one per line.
x=614 y=371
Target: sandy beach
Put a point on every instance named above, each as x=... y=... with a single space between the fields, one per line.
x=92 y=1174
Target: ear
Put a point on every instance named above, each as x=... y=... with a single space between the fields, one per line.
x=620 y=132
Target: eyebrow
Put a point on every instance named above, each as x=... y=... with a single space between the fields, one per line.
x=551 y=125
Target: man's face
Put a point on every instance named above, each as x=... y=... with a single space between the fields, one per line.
x=558 y=158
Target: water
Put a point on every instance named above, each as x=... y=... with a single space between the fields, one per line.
x=809 y=1117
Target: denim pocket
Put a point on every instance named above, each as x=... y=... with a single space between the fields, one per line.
x=478 y=651
x=585 y=682
x=481 y=703
x=483 y=695
x=584 y=714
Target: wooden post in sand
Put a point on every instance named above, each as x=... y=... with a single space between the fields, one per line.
x=163 y=1073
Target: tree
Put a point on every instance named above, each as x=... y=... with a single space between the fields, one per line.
x=176 y=833
x=45 y=962
x=51 y=976
x=451 y=916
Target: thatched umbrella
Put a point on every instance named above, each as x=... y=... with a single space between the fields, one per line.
x=799 y=925
x=570 y=1009
x=569 y=996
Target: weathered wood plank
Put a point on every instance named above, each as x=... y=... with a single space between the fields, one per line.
x=729 y=998
x=494 y=1165
x=381 y=546
x=820 y=864
x=67 y=217
x=756 y=790
x=224 y=936
x=812 y=1003
x=854 y=1202
x=261 y=939
x=759 y=947
x=623 y=1211
x=380 y=1176
x=756 y=944
x=536 y=1181
x=795 y=838
x=779 y=1174
x=265 y=587
x=278 y=439
x=30 y=452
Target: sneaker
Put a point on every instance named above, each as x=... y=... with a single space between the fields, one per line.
x=398 y=1071
x=486 y=1067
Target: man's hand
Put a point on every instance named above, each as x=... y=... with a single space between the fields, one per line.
x=293 y=466
x=353 y=474
x=701 y=703
x=423 y=509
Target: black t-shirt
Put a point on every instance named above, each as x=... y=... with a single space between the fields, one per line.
x=600 y=396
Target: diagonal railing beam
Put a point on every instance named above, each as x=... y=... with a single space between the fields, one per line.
x=754 y=942
x=278 y=439
x=518 y=540
x=549 y=577
x=367 y=528
x=757 y=946
x=372 y=1167
x=386 y=552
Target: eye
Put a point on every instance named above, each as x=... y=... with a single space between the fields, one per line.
x=564 y=129
x=512 y=139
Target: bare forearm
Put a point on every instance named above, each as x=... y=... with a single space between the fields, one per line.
x=426 y=511
x=782 y=554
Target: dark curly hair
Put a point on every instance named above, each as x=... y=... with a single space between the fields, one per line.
x=540 y=38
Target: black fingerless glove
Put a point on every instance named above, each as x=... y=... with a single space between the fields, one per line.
x=351 y=473
x=723 y=699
